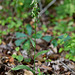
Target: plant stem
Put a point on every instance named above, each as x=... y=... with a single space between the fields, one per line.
x=35 y=14
x=35 y=48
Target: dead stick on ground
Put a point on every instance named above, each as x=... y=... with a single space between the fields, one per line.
x=67 y=67
x=43 y=10
x=40 y=5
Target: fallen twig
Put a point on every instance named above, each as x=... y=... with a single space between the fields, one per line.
x=40 y=5
x=43 y=10
x=67 y=67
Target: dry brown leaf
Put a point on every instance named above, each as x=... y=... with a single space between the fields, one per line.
x=55 y=67
x=38 y=63
x=38 y=47
x=68 y=73
x=53 y=56
x=26 y=72
x=46 y=67
x=19 y=53
x=9 y=73
x=40 y=58
x=11 y=59
x=50 y=32
x=3 y=43
x=31 y=23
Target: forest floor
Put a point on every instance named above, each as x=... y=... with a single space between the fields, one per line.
x=50 y=63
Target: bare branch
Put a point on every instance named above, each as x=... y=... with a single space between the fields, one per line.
x=43 y=10
x=40 y=5
x=68 y=67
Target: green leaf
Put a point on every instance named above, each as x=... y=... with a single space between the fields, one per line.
x=67 y=56
x=47 y=38
x=19 y=35
x=54 y=42
x=14 y=56
x=4 y=32
x=18 y=42
x=60 y=50
x=19 y=58
x=72 y=51
x=61 y=36
x=27 y=60
x=39 y=72
x=70 y=23
x=29 y=29
x=39 y=53
x=26 y=45
x=67 y=38
x=49 y=60
x=37 y=35
x=44 y=28
x=33 y=43
x=73 y=59
x=17 y=48
x=0 y=41
x=22 y=67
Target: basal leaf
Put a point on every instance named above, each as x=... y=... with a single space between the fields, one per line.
x=37 y=36
x=54 y=42
x=39 y=53
x=29 y=29
x=22 y=67
x=19 y=41
x=26 y=45
x=19 y=35
x=47 y=38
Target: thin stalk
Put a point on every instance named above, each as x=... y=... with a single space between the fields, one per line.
x=35 y=48
x=34 y=11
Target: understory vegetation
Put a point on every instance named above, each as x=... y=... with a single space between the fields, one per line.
x=35 y=35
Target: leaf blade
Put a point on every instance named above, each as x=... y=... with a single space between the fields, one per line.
x=19 y=41
x=33 y=43
x=39 y=53
x=19 y=35
x=22 y=67
x=29 y=29
x=47 y=38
